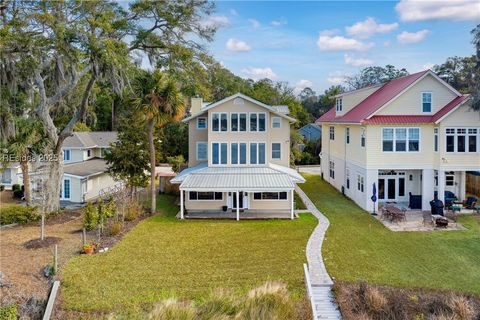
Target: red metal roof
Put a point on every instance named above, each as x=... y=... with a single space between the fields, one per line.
x=379 y=98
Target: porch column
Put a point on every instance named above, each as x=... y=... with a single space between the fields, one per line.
x=441 y=186
x=428 y=184
x=181 y=204
x=463 y=186
x=291 y=204
x=238 y=205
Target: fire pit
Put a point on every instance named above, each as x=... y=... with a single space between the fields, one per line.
x=441 y=222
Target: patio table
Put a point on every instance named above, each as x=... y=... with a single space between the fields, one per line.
x=396 y=214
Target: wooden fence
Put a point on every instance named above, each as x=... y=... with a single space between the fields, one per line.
x=473 y=184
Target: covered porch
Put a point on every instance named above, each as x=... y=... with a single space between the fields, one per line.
x=232 y=214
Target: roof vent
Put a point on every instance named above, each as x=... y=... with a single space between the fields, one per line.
x=238 y=101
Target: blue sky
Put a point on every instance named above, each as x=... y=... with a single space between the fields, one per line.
x=318 y=43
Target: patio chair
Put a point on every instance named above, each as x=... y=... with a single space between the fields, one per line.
x=470 y=203
x=450 y=197
x=427 y=218
x=384 y=214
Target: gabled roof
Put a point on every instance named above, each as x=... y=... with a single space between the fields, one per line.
x=278 y=110
x=364 y=112
x=90 y=139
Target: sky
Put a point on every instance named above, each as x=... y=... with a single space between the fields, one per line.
x=318 y=43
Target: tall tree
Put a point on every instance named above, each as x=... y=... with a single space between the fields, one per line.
x=59 y=49
x=476 y=78
x=458 y=72
x=160 y=101
x=374 y=75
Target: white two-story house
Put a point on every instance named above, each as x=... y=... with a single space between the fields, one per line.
x=239 y=153
x=413 y=137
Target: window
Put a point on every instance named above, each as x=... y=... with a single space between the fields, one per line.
x=450 y=178
x=401 y=139
x=257 y=122
x=215 y=122
x=401 y=187
x=257 y=153
x=347 y=135
x=193 y=195
x=270 y=196
x=348 y=179
x=66 y=188
x=238 y=122
x=219 y=121
x=219 y=153
x=66 y=155
x=332 y=170
x=89 y=153
x=238 y=153
x=223 y=122
x=360 y=183
x=276 y=151
x=426 y=101
x=362 y=138
x=201 y=150
x=462 y=139
x=332 y=133
x=276 y=122
x=339 y=104
x=201 y=123
x=435 y=140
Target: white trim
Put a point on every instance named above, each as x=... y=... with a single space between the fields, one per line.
x=261 y=104
x=431 y=102
x=258 y=122
x=219 y=153
x=429 y=72
x=359 y=90
x=238 y=153
x=196 y=150
x=233 y=189
x=206 y=123
x=200 y=200
x=62 y=189
x=269 y=200
x=258 y=153
x=238 y=122
x=271 y=149
x=407 y=140
x=280 y=123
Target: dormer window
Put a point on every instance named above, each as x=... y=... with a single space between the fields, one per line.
x=339 y=104
x=426 y=101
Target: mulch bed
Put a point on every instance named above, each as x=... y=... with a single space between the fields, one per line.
x=45 y=243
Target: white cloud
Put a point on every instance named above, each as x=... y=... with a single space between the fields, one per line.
x=254 y=23
x=412 y=37
x=414 y=10
x=259 y=73
x=336 y=78
x=277 y=23
x=302 y=84
x=233 y=12
x=237 y=45
x=339 y=43
x=350 y=60
x=428 y=65
x=366 y=29
x=216 y=22
x=329 y=32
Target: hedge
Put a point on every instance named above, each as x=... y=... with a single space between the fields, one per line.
x=8 y=312
x=17 y=214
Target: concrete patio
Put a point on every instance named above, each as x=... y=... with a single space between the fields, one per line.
x=414 y=222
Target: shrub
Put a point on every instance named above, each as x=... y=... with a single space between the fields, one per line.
x=17 y=214
x=461 y=307
x=269 y=301
x=220 y=304
x=16 y=187
x=8 y=312
x=115 y=227
x=172 y=309
x=108 y=210
x=132 y=210
x=374 y=299
x=90 y=216
x=18 y=194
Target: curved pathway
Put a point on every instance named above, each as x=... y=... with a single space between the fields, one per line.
x=319 y=277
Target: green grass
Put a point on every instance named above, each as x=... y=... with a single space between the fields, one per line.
x=163 y=257
x=358 y=247
x=299 y=205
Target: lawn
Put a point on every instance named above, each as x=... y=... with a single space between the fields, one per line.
x=358 y=247
x=163 y=257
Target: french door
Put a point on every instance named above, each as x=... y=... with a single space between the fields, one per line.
x=391 y=188
x=240 y=200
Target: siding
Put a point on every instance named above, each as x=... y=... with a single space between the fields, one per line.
x=195 y=135
x=352 y=99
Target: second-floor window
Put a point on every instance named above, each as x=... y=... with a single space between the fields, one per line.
x=257 y=122
x=219 y=121
x=201 y=123
x=401 y=139
x=332 y=133
x=276 y=151
x=339 y=104
x=257 y=153
x=238 y=122
x=426 y=101
x=66 y=155
x=276 y=122
x=238 y=153
x=462 y=139
x=201 y=150
x=219 y=153
x=435 y=139
x=362 y=138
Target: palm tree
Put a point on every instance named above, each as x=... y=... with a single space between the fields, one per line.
x=160 y=101
x=24 y=143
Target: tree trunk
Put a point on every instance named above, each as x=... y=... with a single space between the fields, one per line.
x=152 y=166
x=53 y=175
x=26 y=179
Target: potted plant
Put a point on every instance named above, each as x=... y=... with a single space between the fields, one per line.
x=88 y=248
x=224 y=208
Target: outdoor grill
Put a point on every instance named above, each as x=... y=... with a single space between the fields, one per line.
x=437 y=207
